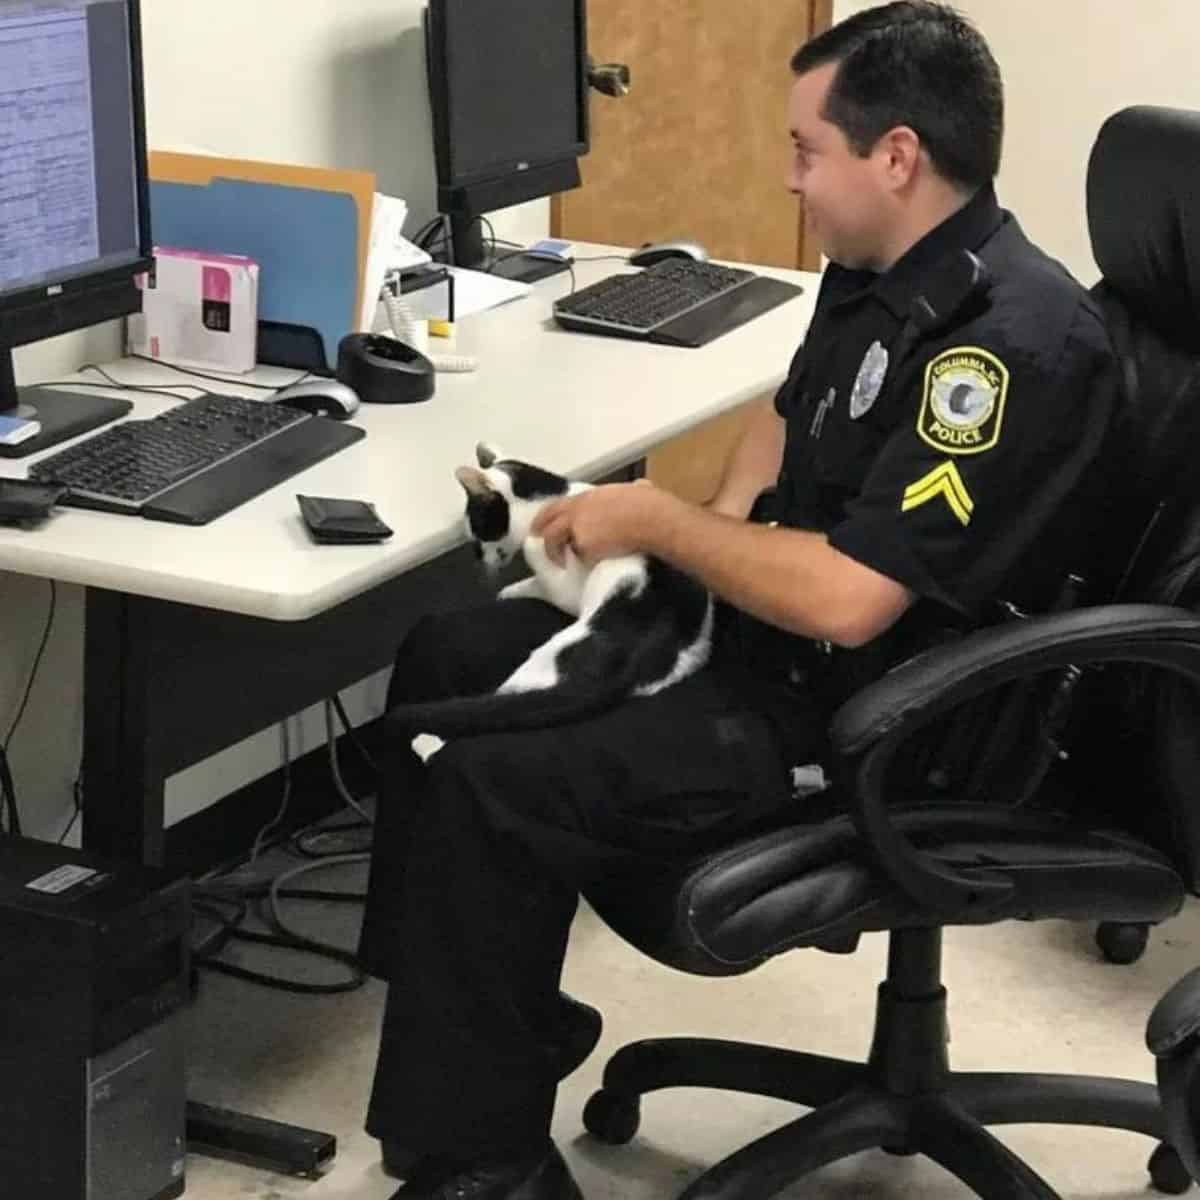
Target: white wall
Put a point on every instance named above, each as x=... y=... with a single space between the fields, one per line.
x=1067 y=65
x=322 y=82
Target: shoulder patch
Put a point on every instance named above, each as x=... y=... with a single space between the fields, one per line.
x=962 y=405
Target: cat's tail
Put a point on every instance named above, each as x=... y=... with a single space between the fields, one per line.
x=604 y=671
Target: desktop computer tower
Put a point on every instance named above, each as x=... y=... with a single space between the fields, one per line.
x=94 y=975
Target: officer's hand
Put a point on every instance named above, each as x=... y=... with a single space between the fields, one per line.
x=601 y=523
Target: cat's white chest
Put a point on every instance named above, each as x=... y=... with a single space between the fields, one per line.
x=563 y=586
x=578 y=589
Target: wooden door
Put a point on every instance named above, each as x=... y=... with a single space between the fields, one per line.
x=698 y=149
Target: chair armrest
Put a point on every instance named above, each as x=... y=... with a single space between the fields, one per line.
x=1173 y=1036
x=870 y=728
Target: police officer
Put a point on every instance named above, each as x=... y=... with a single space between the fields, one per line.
x=933 y=449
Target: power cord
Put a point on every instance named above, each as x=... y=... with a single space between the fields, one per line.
x=258 y=387
x=335 y=769
x=440 y=225
x=77 y=793
x=37 y=662
x=421 y=237
x=209 y=900
x=304 y=842
x=285 y=746
x=8 y=794
x=165 y=389
x=127 y=387
x=7 y=786
x=351 y=732
x=225 y=899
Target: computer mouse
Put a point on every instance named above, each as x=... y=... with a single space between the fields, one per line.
x=325 y=397
x=656 y=252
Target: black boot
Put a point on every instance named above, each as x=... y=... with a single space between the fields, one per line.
x=582 y=1026
x=539 y=1178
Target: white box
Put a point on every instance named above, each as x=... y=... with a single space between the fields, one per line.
x=200 y=310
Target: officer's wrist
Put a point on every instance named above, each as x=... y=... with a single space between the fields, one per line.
x=663 y=523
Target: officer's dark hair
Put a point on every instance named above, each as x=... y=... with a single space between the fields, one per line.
x=919 y=64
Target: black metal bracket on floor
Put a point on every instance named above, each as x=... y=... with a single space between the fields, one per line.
x=287 y=1149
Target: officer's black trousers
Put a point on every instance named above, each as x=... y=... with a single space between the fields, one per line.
x=480 y=856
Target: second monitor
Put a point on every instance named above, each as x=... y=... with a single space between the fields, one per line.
x=508 y=83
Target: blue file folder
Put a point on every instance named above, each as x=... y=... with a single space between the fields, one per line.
x=305 y=240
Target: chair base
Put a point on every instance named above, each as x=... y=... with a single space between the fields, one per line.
x=904 y=1099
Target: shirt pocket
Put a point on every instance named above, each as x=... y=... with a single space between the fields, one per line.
x=844 y=452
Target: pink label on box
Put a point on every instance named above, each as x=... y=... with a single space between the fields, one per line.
x=232 y=260
x=217 y=285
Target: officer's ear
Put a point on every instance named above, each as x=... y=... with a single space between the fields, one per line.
x=900 y=154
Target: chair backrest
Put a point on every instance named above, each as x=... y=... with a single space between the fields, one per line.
x=1142 y=735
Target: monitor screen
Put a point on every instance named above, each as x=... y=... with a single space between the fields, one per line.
x=69 y=142
x=515 y=85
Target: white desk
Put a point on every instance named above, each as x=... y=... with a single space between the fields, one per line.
x=179 y=660
x=579 y=404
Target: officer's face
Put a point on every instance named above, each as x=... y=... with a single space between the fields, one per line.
x=844 y=198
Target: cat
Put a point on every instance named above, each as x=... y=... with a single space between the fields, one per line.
x=640 y=625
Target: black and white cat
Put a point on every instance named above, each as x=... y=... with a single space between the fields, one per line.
x=640 y=625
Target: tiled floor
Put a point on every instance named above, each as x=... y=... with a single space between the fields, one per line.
x=1023 y=997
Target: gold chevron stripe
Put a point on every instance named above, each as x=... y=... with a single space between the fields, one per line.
x=943 y=480
x=936 y=489
x=949 y=472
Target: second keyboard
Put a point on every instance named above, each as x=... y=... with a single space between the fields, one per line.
x=637 y=305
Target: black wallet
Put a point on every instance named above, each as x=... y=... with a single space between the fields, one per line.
x=23 y=502
x=331 y=520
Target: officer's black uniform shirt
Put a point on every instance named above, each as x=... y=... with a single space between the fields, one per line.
x=964 y=472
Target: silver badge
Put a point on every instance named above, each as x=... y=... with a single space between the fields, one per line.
x=869 y=380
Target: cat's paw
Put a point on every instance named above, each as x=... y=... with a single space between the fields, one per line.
x=525 y=589
x=426 y=745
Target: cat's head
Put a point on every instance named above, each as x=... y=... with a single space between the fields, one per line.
x=503 y=496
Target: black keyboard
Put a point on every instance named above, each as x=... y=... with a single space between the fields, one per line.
x=195 y=461
x=677 y=301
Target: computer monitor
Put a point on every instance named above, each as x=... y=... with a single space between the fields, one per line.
x=508 y=84
x=74 y=210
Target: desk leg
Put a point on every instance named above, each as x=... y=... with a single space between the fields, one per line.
x=128 y=673
x=123 y=776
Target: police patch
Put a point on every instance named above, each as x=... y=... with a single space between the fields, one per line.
x=962 y=407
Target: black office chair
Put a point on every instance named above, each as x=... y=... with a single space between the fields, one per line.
x=1142 y=206
x=900 y=861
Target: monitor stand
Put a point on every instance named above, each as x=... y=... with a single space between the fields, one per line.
x=469 y=250
x=527 y=268
x=62 y=414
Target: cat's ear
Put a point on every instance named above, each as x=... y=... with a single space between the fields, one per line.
x=487 y=454
x=474 y=481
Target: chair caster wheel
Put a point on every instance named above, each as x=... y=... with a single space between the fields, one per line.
x=612 y=1117
x=1167 y=1172
x=1122 y=944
